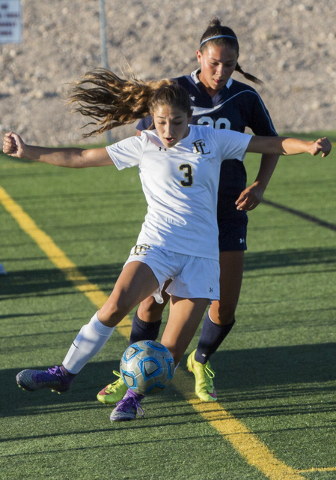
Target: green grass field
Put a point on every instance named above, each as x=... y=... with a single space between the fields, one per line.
x=275 y=373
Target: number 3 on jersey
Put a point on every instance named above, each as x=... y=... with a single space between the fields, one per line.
x=188 y=175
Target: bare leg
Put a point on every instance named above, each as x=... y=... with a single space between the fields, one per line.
x=149 y=310
x=135 y=283
x=184 y=317
x=143 y=327
x=231 y=265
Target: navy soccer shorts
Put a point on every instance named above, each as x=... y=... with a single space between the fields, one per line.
x=232 y=224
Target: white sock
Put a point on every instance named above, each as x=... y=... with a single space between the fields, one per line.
x=89 y=341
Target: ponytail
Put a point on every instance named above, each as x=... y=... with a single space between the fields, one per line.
x=248 y=76
x=112 y=101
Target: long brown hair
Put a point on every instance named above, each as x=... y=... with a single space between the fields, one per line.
x=226 y=36
x=112 y=101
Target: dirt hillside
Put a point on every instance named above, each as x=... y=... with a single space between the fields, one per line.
x=290 y=45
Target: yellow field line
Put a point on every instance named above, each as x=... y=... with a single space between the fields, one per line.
x=245 y=442
x=55 y=254
x=326 y=469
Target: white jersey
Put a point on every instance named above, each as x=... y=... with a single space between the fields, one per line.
x=181 y=185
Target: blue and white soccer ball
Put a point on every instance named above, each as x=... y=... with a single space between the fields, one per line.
x=146 y=367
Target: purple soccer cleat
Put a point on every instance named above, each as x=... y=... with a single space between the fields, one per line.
x=128 y=407
x=55 y=378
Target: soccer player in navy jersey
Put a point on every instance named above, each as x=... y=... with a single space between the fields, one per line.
x=223 y=103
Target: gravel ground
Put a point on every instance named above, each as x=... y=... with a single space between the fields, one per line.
x=290 y=45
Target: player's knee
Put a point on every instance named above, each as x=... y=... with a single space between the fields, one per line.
x=149 y=310
x=222 y=313
x=114 y=311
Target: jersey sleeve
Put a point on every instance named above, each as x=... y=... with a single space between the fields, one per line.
x=259 y=119
x=128 y=152
x=144 y=123
x=231 y=144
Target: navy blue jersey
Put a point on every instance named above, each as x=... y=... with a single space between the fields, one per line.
x=236 y=107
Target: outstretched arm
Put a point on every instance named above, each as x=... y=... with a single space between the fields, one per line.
x=288 y=146
x=14 y=146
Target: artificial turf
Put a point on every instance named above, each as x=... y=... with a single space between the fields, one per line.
x=275 y=373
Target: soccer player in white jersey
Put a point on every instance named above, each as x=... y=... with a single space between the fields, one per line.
x=179 y=168
x=224 y=103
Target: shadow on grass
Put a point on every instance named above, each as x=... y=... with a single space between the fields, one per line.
x=253 y=372
x=300 y=214
x=292 y=379
x=81 y=396
x=289 y=258
x=53 y=282
x=278 y=374
x=50 y=281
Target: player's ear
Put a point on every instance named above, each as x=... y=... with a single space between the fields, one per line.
x=199 y=56
x=190 y=115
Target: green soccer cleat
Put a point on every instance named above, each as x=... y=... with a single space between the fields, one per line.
x=114 y=392
x=204 y=386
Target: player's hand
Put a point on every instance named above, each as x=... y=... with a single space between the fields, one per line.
x=321 y=145
x=13 y=145
x=250 y=197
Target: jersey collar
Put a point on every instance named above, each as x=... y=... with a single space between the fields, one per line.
x=194 y=76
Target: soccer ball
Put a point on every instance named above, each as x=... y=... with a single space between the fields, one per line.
x=146 y=367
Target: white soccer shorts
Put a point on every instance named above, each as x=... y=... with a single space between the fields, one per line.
x=192 y=277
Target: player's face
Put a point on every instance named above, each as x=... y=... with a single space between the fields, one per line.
x=217 y=66
x=171 y=124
